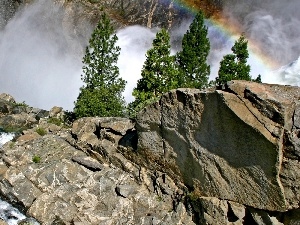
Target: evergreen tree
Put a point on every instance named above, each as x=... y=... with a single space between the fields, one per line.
x=257 y=79
x=102 y=93
x=234 y=66
x=159 y=73
x=193 y=68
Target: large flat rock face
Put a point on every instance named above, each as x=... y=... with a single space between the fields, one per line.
x=238 y=144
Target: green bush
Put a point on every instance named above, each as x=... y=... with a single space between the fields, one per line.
x=41 y=131
x=55 y=121
x=36 y=159
x=11 y=144
x=23 y=104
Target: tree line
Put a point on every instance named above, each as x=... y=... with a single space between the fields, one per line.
x=101 y=94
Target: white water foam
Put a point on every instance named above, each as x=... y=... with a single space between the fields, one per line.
x=5 y=137
x=7 y=212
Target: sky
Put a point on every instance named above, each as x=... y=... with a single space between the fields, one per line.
x=39 y=64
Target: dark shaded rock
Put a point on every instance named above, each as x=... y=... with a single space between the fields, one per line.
x=129 y=140
x=292 y=217
x=88 y=162
x=17 y=122
x=4 y=107
x=16 y=117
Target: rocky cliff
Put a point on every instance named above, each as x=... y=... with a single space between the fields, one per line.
x=79 y=175
x=226 y=156
x=239 y=144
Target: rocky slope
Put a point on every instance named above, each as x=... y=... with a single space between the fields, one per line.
x=79 y=175
x=195 y=157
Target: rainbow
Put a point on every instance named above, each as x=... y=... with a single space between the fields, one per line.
x=231 y=29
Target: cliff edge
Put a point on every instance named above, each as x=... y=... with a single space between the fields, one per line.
x=227 y=156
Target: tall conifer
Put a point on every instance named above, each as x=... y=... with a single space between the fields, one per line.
x=101 y=94
x=234 y=66
x=159 y=73
x=192 y=60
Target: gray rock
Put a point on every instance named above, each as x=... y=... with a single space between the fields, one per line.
x=7 y=98
x=227 y=144
x=56 y=112
x=125 y=190
x=237 y=149
x=88 y=162
x=214 y=211
x=263 y=218
x=62 y=189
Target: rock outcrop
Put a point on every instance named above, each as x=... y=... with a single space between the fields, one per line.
x=226 y=156
x=78 y=175
x=16 y=117
x=239 y=144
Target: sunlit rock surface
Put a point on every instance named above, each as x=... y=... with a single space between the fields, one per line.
x=54 y=182
x=239 y=144
x=227 y=156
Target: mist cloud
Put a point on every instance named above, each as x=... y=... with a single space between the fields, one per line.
x=134 y=42
x=40 y=63
x=35 y=63
x=272 y=24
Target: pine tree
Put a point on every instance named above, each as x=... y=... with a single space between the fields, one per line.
x=102 y=93
x=234 y=66
x=257 y=79
x=194 y=71
x=159 y=73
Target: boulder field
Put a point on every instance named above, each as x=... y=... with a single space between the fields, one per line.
x=228 y=156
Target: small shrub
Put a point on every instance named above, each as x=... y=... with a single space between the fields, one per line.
x=41 y=131
x=23 y=104
x=55 y=121
x=159 y=198
x=11 y=144
x=36 y=159
x=194 y=195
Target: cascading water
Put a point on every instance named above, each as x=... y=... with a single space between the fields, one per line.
x=5 y=137
x=7 y=212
